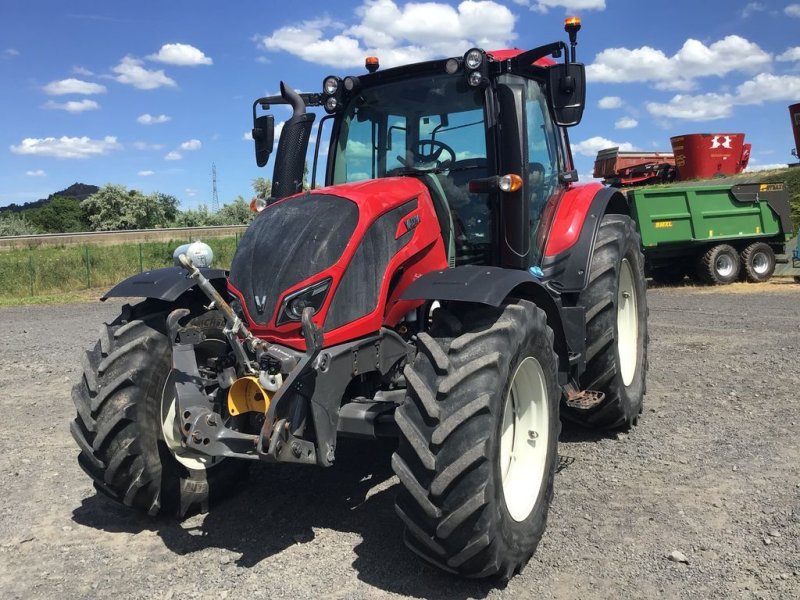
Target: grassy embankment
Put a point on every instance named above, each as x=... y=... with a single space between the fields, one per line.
x=59 y=274
x=63 y=273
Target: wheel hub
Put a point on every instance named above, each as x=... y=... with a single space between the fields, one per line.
x=524 y=439
x=760 y=263
x=627 y=323
x=724 y=265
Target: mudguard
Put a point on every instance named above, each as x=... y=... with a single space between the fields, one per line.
x=161 y=284
x=570 y=243
x=492 y=285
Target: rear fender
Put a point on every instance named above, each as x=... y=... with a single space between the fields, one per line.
x=493 y=286
x=570 y=243
x=166 y=284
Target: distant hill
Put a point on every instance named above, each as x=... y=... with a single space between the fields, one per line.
x=79 y=191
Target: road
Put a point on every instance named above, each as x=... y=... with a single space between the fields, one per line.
x=712 y=471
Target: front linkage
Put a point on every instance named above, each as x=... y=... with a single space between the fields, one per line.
x=315 y=380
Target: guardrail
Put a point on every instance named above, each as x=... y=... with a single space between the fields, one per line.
x=110 y=238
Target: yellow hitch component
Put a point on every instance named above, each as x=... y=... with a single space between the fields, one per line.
x=247 y=395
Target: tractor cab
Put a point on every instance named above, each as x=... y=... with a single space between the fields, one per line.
x=484 y=133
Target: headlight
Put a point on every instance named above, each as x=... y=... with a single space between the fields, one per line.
x=475 y=78
x=331 y=104
x=311 y=296
x=331 y=85
x=473 y=58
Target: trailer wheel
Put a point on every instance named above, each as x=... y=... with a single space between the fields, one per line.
x=719 y=265
x=616 y=328
x=478 y=439
x=758 y=262
x=126 y=412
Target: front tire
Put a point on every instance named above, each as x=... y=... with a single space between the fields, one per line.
x=125 y=413
x=478 y=439
x=616 y=328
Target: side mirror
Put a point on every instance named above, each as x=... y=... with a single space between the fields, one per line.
x=566 y=87
x=264 y=137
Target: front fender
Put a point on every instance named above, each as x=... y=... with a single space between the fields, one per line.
x=161 y=284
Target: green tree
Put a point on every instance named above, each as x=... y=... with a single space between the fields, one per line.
x=197 y=217
x=60 y=215
x=115 y=207
x=14 y=224
x=262 y=187
x=236 y=213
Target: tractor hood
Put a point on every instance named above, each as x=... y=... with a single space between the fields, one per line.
x=307 y=246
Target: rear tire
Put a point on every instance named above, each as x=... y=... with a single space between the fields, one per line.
x=719 y=265
x=465 y=506
x=123 y=423
x=757 y=262
x=616 y=328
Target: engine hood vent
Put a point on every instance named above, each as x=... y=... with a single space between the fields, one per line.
x=287 y=243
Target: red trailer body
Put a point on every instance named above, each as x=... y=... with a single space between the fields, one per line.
x=621 y=169
x=706 y=155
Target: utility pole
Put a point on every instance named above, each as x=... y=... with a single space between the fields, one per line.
x=214 y=195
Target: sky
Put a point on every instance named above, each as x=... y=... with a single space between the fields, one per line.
x=150 y=94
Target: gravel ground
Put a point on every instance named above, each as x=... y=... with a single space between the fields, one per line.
x=712 y=471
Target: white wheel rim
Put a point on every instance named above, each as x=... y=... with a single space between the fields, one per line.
x=760 y=263
x=188 y=459
x=724 y=265
x=627 y=323
x=524 y=439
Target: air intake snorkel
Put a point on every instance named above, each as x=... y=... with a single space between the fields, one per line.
x=287 y=178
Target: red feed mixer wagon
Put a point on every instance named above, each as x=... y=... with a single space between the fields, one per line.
x=693 y=156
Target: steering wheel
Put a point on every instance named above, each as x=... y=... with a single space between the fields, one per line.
x=417 y=157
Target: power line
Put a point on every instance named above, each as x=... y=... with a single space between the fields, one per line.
x=214 y=195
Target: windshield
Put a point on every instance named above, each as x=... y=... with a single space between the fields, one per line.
x=431 y=123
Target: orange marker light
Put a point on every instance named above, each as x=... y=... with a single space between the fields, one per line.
x=572 y=22
x=510 y=183
x=372 y=63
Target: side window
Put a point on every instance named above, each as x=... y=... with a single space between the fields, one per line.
x=395 y=142
x=542 y=146
x=543 y=159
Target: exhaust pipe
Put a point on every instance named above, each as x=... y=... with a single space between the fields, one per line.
x=287 y=178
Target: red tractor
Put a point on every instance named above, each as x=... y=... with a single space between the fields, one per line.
x=449 y=285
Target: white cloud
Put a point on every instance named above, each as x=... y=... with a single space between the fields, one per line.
x=766 y=87
x=36 y=173
x=10 y=53
x=397 y=34
x=78 y=70
x=793 y=10
x=67 y=147
x=677 y=72
x=173 y=156
x=148 y=119
x=751 y=8
x=182 y=55
x=145 y=173
x=609 y=102
x=131 y=72
x=146 y=146
x=191 y=145
x=73 y=86
x=543 y=6
x=248 y=135
x=751 y=168
x=626 y=123
x=190 y=192
x=706 y=107
x=73 y=106
x=791 y=54
x=594 y=144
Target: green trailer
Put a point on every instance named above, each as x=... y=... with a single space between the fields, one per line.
x=712 y=232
